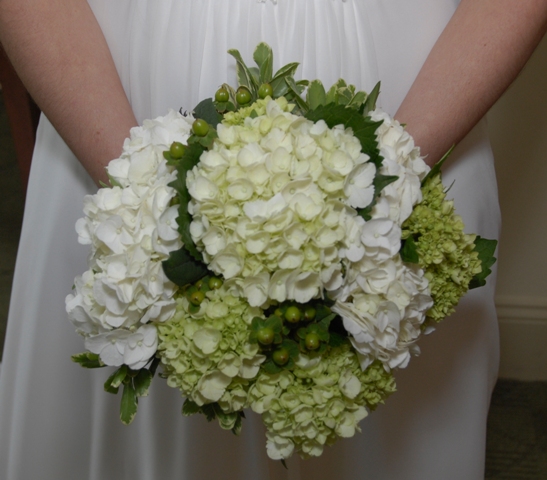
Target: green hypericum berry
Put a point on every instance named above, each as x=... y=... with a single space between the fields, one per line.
x=265 y=335
x=222 y=95
x=177 y=150
x=265 y=90
x=197 y=297
x=293 y=314
x=215 y=283
x=200 y=127
x=312 y=341
x=309 y=313
x=243 y=96
x=278 y=313
x=281 y=356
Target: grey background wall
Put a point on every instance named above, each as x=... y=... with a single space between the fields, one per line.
x=518 y=129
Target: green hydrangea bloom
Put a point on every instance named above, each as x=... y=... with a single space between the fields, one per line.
x=259 y=107
x=322 y=399
x=445 y=252
x=207 y=355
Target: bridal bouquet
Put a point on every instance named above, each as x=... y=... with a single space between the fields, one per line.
x=279 y=249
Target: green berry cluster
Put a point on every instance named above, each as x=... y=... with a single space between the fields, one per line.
x=196 y=293
x=290 y=329
x=229 y=100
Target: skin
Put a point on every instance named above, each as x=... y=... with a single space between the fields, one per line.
x=479 y=54
x=60 y=53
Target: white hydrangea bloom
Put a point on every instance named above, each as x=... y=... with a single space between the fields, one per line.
x=284 y=179
x=131 y=228
x=121 y=346
x=401 y=158
x=382 y=301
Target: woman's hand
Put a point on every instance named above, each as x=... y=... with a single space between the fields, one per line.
x=479 y=54
x=60 y=53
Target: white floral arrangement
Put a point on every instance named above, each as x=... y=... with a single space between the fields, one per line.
x=280 y=249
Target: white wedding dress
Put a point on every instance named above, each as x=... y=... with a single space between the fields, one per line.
x=57 y=423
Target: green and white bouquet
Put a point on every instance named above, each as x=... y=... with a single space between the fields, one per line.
x=279 y=249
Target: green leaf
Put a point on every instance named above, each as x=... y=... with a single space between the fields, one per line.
x=363 y=127
x=255 y=72
x=206 y=141
x=142 y=382
x=128 y=407
x=170 y=160
x=209 y=411
x=325 y=321
x=286 y=71
x=109 y=389
x=181 y=268
x=382 y=181
x=293 y=87
x=366 y=212
x=88 y=360
x=154 y=365
x=316 y=95
x=262 y=53
x=370 y=103
x=322 y=331
x=113 y=182
x=337 y=340
x=263 y=56
x=332 y=94
x=206 y=111
x=341 y=93
x=190 y=408
x=322 y=311
x=256 y=323
x=226 y=421
x=269 y=366
x=409 y=252
x=225 y=107
x=115 y=380
x=357 y=100
x=275 y=323
x=188 y=161
x=485 y=249
x=346 y=94
x=436 y=170
x=244 y=75
x=236 y=430
x=292 y=347
x=278 y=83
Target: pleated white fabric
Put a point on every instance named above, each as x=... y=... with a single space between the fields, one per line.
x=55 y=420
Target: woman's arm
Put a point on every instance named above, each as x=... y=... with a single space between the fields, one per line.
x=60 y=53
x=479 y=54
